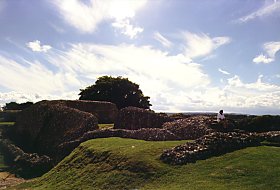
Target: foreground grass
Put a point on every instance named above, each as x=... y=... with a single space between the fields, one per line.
x=115 y=163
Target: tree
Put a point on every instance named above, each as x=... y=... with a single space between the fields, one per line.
x=117 y=90
x=16 y=106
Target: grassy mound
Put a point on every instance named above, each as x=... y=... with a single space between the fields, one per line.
x=115 y=163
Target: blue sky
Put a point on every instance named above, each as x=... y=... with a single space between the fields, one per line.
x=187 y=55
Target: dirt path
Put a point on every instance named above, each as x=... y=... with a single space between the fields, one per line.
x=8 y=180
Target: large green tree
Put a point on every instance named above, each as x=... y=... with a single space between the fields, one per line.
x=118 y=90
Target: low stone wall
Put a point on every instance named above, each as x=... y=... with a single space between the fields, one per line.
x=133 y=118
x=26 y=164
x=149 y=134
x=191 y=127
x=214 y=144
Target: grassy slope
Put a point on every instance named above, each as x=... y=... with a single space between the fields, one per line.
x=116 y=163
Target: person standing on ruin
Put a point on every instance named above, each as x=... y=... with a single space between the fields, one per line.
x=220 y=116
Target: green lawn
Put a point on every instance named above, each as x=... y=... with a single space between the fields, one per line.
x=6 y=123
x=106 y=126
x=116 y=163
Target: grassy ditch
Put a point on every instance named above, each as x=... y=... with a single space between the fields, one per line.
x=115 y=163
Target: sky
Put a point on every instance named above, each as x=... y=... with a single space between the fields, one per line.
x=186 y=55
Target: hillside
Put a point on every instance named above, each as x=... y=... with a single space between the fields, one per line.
x=115 y=163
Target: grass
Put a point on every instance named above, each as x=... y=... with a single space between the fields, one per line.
x=115 y=163
x=106 y=126
x=6 y=123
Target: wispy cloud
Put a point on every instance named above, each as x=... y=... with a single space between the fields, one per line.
x=223 y=71
x=165 y=42
x=37 y=47
x=86 y=17
x=266 y=10
x=198 y=45
x=33 y=77
x=271 y=48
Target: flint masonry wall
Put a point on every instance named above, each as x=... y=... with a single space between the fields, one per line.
x=43 y=126
x=133 y=118
x=106 y=112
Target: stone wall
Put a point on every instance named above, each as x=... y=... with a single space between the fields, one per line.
x=26 y=164
x=191 y=127
x=149 y=134
x=106 y=112
x=133 y=118
x=216 y=143
x=43 y=126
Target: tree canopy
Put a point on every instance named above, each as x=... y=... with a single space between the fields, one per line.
x=117 y=90
x=16 y=106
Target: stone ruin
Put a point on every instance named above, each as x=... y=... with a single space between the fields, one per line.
x=106 y=112
x=50 y=130
x=215 y=144
x=41 y=128
x=190 y=128
x=133 y=118
x=148 y=134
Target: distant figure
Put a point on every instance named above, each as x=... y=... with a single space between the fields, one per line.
x=220 y=116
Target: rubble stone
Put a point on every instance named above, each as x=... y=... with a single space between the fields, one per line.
x=190 y=128
x=133 y=118
x=213 y=144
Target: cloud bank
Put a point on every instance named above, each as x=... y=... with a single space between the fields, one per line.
x=86 y=17
x=174 y=82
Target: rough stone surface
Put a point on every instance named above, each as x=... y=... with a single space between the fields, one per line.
x=30 y=164
x=190 y=128
x=43 y=126
x=133 y=118
x=213 y=144
x=106 y=112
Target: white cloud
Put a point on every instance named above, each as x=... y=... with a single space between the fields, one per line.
x=223 y=71
x=22 y=97
x=266 y=10
x=165 y=42
x=37 y=47
x=154 y=70
x=173 y=82
x=86 y=17
x=198 y=45
x=271 y=48
x=34 y=77
x=262 y=59
x=127 y=29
